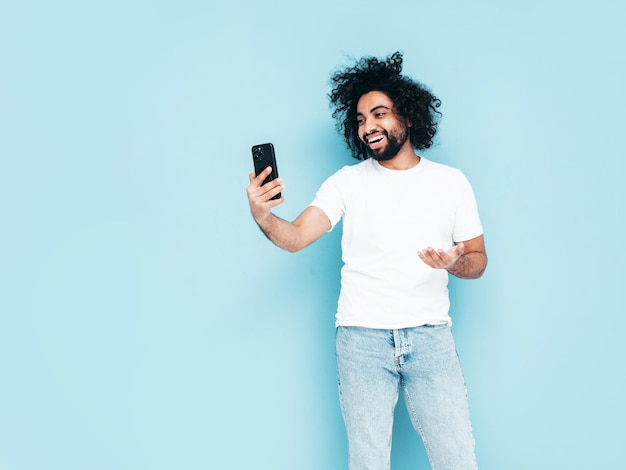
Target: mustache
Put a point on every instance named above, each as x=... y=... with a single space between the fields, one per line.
x=366 y=137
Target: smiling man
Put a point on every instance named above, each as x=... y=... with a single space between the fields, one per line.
x=407 y=223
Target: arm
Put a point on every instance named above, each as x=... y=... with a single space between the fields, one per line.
x=290 y=236
x=466 y=259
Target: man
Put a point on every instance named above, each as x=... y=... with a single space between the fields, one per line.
x=407 y=223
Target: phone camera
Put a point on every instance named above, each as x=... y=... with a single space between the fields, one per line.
x=258 y=153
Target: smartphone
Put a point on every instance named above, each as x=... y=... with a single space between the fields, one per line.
x=263 y=156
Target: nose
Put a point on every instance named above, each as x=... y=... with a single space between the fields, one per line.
x=369 y=125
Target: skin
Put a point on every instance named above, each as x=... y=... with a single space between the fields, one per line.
x=376 y=117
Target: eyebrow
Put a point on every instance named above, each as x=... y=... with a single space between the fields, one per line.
x=374 y=109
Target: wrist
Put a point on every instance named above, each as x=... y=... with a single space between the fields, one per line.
x=455 y=268
x=260 y=218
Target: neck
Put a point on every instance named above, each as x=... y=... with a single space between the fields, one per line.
x=405 y=159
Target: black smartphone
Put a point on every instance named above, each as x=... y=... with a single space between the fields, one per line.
x=263 y=156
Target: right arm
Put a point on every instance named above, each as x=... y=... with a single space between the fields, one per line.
x=290 y=236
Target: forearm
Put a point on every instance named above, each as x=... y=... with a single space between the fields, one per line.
x=293 y=236
x=469 y=265
x=282 y=233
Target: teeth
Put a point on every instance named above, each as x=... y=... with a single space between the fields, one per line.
x=375 y=139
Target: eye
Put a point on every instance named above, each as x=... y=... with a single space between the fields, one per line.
x=380 y=114
x=360 y=121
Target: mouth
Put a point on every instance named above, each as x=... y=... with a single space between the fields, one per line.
x=374 y=140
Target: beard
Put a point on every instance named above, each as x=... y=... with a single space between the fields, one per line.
x=395 y=141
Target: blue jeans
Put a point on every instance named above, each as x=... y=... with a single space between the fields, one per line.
x=372 y=364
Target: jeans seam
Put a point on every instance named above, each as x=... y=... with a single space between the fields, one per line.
x=416 y=422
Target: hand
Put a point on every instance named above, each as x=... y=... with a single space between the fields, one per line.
x=440 y=259
x=259 y=194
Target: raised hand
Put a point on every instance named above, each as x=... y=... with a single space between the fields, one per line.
x=259 y=194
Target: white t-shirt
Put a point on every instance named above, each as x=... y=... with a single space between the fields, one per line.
x=388 y=216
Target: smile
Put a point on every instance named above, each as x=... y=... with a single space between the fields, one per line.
x=378 y=137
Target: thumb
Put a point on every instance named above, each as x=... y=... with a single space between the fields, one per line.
x=459 y=249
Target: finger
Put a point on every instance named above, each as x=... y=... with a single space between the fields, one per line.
x=459 y=248
x=273 y=192
x=258 y=179
x=255 y=184
x=428 y=259
x=432 y=253
x=276 y=202
x=429 y=256
x=271 y=189
x=270 y=185
x=423 y=256
x=444 y=256
x=265 y=173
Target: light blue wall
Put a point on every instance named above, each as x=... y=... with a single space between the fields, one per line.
x=145 y=322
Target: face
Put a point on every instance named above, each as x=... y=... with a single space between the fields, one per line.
x=380 y=128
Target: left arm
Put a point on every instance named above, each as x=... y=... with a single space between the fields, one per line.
x=466 y=260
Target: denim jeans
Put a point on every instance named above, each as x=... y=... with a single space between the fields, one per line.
x=373 y=364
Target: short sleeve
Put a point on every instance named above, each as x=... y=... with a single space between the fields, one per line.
x=331 y=196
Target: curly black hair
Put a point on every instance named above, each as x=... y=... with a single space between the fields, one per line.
x=411 y=99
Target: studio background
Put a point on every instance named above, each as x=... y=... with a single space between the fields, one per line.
x=146 y=323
